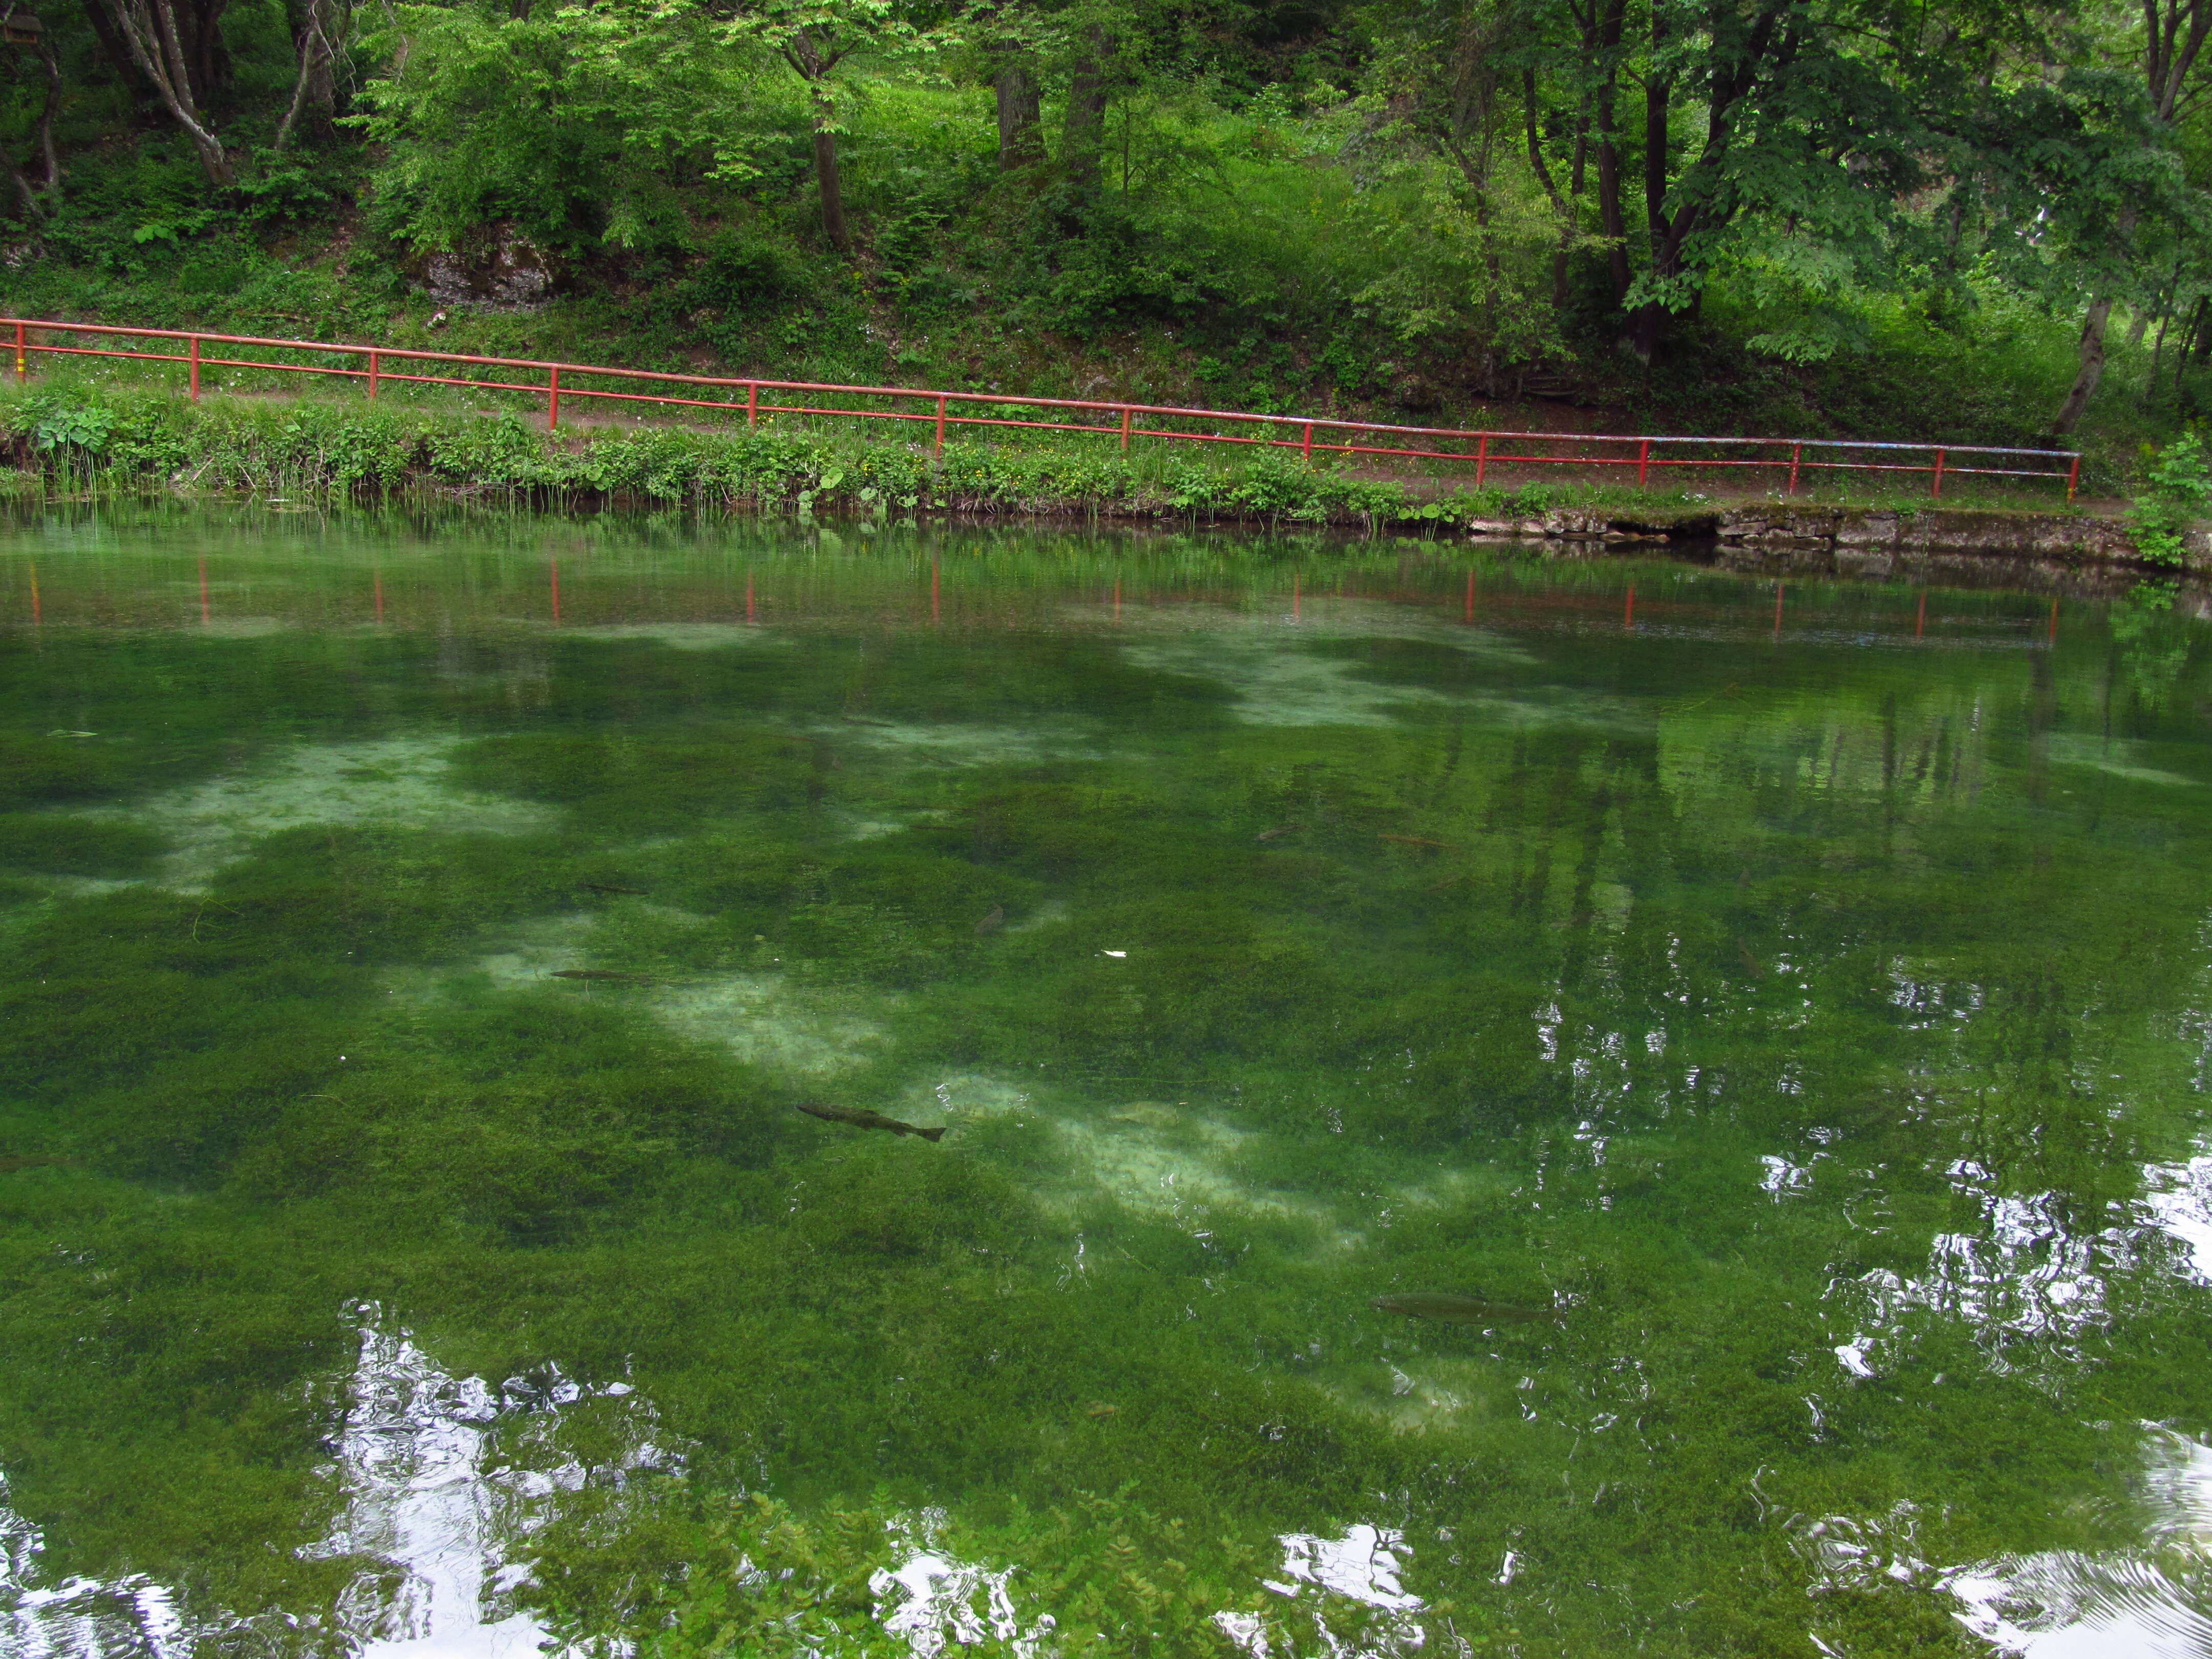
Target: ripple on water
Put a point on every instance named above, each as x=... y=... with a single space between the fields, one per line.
x=2054 y=1604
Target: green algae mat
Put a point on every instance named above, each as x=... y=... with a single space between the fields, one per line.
x=1472 y=1104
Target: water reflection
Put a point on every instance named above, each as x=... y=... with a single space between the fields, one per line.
x=2059 y=1604
x=1811 y=1024
x=438 y=1479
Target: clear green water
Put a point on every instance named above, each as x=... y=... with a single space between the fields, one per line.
x=1814 y=1019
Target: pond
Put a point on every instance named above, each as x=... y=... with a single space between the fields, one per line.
x=1470 y=1100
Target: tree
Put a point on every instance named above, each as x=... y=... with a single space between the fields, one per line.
x=2172 y=41
x=1003 y=40
x=321 y=32
x=27 y=39
x=813 y=37
x=169 y=41
x=571 y=121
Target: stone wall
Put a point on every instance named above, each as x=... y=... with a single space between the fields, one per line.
x=1855 y=541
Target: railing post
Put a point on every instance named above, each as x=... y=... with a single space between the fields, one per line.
x=1643 y=460
x=553 y=400
x=752 y=401
x=372 y=377
x=1125 y=429
x=1481 y=458
x=1796 y=454
x=940 y=426
x=2073 y=477
x=1939 y=473
x=1305 y=449
x=194 y=354
x=23 y=360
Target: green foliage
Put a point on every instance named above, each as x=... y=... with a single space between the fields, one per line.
x=566 y=121
x=2175 y=494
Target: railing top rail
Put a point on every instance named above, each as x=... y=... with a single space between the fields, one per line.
x=1318 y=422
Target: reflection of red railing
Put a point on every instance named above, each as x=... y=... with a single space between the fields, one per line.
x=940 y=409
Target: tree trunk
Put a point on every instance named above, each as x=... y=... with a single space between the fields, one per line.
x=1083 y=133
x=38 y=201
x=811 y=60
x=207 y=59
x=1655 y=91
x=2090 y=371
x=1649 y=321
x=47 y=153
x=34 y=210
x=150 y=28
x=112 y=42
x=1611 y=221
x=314 y=93
x=1021 y=115
x=1562 y=205
x=2167 y=299
x=826 y=174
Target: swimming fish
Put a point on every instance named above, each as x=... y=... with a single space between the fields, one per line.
x=861 y=1119
x=1413 y=840
x=12 y=1162
x=992 y=923
x=1277 y=833
x=608 y=887
x=1750 y=961
x=601 y=973
x=1459 y=1309
x=1151 y=1114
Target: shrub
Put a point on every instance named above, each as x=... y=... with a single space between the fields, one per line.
x=2175 y=492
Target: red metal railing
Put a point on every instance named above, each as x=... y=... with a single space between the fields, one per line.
x=1308 y=434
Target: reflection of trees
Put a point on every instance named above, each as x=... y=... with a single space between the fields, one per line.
x=1876 y=908
x=2150 y=648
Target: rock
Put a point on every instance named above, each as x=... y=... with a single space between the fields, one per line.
x=1574 y=523
x=501 y=270
x=1866 y=530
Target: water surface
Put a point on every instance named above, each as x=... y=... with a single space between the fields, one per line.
x=1787 y=1009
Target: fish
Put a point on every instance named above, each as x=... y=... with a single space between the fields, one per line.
x=1278 y=832
x=992 y=923
x=1459 y=1309
x=12 y=1162
x=1750 y=961
x=608 y=887
x=1413 y=840
x=601 y=973
x=862 y=1118
x=1100 y=1408
x=1151 y=1114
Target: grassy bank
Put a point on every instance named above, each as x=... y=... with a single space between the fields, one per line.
x=94 y=435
